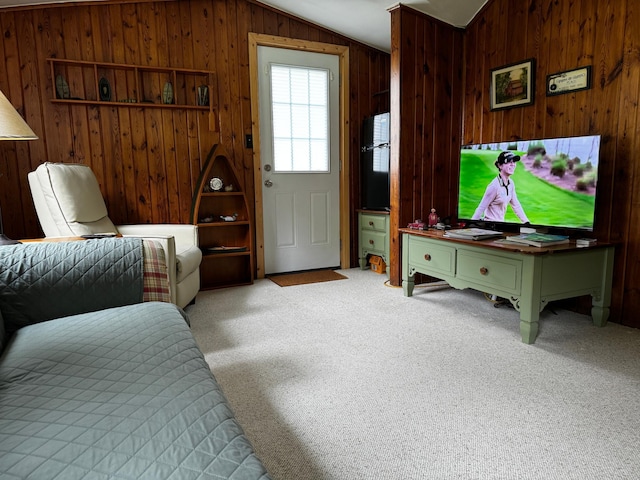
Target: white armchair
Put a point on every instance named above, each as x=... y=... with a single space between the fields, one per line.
x=69 y=203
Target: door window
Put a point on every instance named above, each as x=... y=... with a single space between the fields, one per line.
x=300 y=119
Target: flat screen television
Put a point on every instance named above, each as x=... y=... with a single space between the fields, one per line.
x=555 y=182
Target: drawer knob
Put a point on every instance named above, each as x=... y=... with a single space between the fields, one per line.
x=484 y=271
x=371 y=242
x=371 y=224
x=427 y=257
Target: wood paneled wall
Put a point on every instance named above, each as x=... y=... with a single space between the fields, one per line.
x=426 y=101
x=147 y=160
x=563 y=35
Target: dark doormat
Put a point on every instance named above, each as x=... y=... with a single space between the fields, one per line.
x=301 y=278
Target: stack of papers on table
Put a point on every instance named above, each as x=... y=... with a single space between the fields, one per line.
x=538 y=239
x=585 y=242
x=472 y=234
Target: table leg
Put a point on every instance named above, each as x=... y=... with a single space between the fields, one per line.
x=599 y=313
x=531 y=298
x=407 y=285
x=528 y=330
x=600 y=302
x=408 y=281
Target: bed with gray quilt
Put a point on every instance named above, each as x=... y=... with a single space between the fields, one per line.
x=122 y=392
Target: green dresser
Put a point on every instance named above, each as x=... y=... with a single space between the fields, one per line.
x=373 y=230
x=529 y=277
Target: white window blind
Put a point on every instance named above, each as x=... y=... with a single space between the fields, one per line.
x=381 y=144
x=300 y=109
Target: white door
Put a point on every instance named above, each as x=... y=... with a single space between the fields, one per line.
x=299 y=145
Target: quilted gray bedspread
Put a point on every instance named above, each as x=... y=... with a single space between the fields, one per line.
x=42 y=281
x=122 y=393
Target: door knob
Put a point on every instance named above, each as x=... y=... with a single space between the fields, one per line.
x=268 y=183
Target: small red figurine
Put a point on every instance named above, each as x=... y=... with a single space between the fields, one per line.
x=433 y=218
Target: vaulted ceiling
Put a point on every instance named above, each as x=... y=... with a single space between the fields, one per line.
x=367 y=21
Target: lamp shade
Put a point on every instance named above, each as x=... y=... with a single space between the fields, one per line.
x=12 y=126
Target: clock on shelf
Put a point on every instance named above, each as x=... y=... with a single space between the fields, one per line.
x=216 y=184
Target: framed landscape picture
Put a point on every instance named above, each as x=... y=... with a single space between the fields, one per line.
x=513 y=85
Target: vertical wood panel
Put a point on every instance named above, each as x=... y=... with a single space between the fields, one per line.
x=178 y=171
x=440 y=163
x=14 y=150
x=242 y=14
x=512 y=119
x=27 y=102
x=584 y=38
x=625 y=286
x=413 y=111
x=56 y=126
x=166 y=119
x=189 y=149
x=457 y=100
x=425 y=71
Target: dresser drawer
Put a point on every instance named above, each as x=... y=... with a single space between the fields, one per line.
x=490 y=270
x=373 y=222
x=373 y=241
x=432 y=257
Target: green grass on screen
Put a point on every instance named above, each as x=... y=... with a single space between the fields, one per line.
x=544 y=203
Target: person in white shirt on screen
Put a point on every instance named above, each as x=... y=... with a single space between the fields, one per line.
x=501 y=192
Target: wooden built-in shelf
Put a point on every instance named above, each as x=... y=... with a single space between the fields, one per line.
x=80 y=82
x=222 y=269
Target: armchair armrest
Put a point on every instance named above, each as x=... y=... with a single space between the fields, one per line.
x=184 y=234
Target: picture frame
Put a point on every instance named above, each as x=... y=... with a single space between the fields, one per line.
x=569 y=81
x=513 y=85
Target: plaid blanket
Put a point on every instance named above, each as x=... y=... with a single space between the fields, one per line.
x=155 y=276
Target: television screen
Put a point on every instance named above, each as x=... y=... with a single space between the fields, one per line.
x=549 y=182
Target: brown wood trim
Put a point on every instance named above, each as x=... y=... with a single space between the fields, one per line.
x=255 y=40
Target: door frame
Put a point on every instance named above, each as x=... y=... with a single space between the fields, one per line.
x=255 y=40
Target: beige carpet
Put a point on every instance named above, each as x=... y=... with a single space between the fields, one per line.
x=351 y=380
x=302 y=278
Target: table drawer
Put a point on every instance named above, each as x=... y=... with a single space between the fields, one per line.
x=373 y=222
x=373 y=241
x=490 y=270
x=432 y=257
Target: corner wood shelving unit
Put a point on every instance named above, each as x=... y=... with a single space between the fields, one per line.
x=227 y=247
x=82 y=82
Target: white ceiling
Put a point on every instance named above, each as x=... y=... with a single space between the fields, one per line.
x=367 y=21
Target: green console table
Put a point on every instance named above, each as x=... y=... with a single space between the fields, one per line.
x=529 y=277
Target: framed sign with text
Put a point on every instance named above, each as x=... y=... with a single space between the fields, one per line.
x=569 y=81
